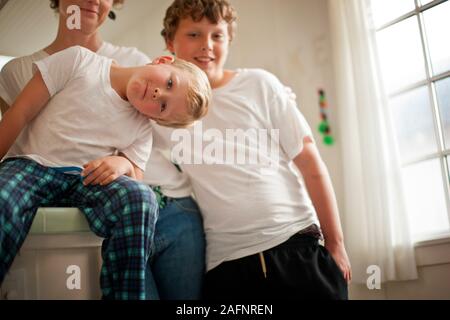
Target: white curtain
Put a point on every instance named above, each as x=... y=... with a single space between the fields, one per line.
x=374 y=214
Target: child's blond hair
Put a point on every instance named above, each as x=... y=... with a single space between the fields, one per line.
x=213 y=10
x=198 y=96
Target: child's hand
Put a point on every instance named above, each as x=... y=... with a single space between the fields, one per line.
x=105 y=170
x=339 y=255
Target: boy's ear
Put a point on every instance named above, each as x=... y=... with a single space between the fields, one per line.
x=163 y=60
x=169 y=45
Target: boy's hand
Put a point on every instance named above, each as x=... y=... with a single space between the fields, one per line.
x=105 y=170
x=339 y=255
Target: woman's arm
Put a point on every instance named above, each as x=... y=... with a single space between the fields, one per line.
x=3 y=106
x=30 y=101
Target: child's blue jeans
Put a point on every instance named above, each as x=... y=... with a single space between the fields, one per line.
x=177 y=264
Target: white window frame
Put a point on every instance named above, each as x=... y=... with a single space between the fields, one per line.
x=443 y=154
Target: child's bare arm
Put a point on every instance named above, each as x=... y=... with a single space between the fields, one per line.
x=136 y=173
x=30 y=101
x=139 y=174
x=321 y=191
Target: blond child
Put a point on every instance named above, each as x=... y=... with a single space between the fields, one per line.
x=78 y=110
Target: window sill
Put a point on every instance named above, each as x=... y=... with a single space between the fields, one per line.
x=435 y=251
x=433 y=240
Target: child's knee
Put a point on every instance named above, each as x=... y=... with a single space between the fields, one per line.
x=138 y=198
x=141 y=194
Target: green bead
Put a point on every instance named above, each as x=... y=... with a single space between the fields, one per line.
x=323 y=126
x=328 y=140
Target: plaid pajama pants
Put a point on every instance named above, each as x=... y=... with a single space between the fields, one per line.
x=123 y=212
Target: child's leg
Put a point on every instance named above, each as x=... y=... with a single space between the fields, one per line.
x=24 y=186
x=177 y=264
x=124 y=213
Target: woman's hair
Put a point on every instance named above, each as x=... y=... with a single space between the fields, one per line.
x=199 y=96
x=213 y=10
x=54 y=4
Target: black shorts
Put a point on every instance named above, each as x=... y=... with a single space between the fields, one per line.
x=299 y=268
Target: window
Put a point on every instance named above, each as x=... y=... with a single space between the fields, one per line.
x=414 y=59
x=4 y=60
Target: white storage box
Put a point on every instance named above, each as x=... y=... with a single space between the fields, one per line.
x=60 y=259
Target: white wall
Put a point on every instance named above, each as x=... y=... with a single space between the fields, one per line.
x=144 y=31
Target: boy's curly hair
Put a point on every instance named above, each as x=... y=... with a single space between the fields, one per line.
x=213 y=10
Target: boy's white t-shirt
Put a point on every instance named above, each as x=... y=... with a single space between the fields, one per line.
x=85 y=119
x=160 y=171
x=247 y=208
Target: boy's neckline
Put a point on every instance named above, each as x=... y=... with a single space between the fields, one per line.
x=233 y=75
x=117 y=99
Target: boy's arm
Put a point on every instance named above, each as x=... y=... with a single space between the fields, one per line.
x=30 y=101
x=3 y=106
x=321 y=191
x=136 y=173
x=139 y=174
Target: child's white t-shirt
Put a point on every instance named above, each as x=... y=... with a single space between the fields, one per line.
x=160 y=171
x=247 y=207
x=17 y=72
x=85 y=119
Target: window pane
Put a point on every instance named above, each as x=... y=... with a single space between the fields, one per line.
x=437 y=25
x=443 y=97
x=384 y=11
x=425 y=198
x=401 y=54
x=414 y=125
